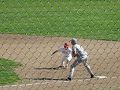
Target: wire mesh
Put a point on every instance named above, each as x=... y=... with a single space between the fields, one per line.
x=31 y=30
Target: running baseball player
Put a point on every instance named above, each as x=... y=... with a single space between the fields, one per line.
x=67 y=55
x=82 y=57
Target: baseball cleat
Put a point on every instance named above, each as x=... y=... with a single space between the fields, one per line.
x=62 y=67
x=92 y=76
x=68 y=79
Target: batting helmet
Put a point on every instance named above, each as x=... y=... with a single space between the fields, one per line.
x=66 y=45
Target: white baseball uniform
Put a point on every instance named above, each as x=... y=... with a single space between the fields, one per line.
x=67 y=56
x=81 y=58
x=82 y=54
x=67 y=53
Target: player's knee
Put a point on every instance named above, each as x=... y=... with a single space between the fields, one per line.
x=72 y=66
x=85 y=64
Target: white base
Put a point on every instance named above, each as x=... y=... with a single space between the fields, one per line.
x=100 y=77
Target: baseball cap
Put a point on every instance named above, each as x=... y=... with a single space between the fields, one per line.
x=74 y=40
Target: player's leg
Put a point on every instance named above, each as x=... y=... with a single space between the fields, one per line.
x=68 y=59
x=63 y=62
x=88 y=67
x=67 y=63
x=72 y=69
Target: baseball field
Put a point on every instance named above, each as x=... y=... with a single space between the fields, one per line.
x=31 y=30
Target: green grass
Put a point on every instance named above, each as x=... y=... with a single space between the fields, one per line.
x=95 y=19
x=7 y=74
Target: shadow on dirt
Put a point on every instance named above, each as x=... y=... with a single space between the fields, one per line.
x=50 y=68
x=63 y=79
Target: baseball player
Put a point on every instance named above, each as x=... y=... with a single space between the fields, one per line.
x=67 y=55
x=82 y=57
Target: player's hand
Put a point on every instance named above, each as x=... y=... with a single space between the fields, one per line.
x=73 y=54
x=51 y=55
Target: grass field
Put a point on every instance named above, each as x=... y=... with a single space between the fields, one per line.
x=7 y=71
x=85 y=19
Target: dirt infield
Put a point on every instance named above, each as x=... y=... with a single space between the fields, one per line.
x=39 y=70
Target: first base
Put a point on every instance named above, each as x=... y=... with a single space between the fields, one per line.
x=100 y=77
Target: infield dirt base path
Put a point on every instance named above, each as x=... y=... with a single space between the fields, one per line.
x=39 y=70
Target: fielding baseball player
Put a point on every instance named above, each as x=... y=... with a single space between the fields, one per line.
x=67 y=55
x=82 y=57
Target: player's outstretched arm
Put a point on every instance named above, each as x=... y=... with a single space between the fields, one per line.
x=54 y=52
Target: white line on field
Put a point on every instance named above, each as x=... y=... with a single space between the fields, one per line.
x=30 y=84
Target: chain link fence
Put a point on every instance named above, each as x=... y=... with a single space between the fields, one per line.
x=31 y=30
